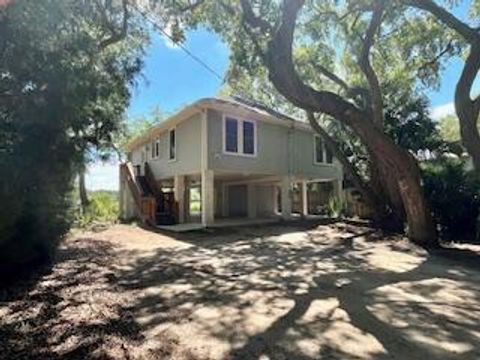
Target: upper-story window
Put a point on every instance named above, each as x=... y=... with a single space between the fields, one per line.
x=248 y=137
x=172 y=145
x=231 y=135
x=155 y=149
x=321 y=153
x=239 y=136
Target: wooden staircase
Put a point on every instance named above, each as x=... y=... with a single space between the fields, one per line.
x=155 y=207
x=167 y=208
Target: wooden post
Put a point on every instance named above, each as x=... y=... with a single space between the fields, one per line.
x=286 y=198
x=304 y=186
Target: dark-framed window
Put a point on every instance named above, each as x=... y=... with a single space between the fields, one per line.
x=172 y=145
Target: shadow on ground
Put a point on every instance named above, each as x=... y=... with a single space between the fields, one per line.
x=333 y=291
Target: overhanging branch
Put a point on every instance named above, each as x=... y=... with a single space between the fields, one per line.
x=254 y=21
x=366 y=66
x=470 y=34
x=350 y=169
x=117 y=36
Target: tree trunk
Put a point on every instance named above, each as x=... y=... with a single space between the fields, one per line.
x=392 y=159
x=467 y=109
x=82 y=190
x=401 y=172
x=383 y=217
x=386 y=187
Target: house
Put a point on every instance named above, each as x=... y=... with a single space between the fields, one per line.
x=221 y=159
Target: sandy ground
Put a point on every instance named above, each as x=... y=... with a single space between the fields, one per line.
x=273 y=292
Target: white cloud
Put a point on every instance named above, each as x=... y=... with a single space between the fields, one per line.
x=102 y=176
x=441 y=111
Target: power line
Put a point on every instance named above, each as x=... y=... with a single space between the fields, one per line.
x=193 y=56
x=181 y=46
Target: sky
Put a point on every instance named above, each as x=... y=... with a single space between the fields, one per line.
x=171 y=79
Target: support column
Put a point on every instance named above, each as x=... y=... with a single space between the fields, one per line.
x=179 y=190
x=121 y=197
x=224 y=200
x=208 y=201
x=251 y=203
x=304 y=186
x=286 y=198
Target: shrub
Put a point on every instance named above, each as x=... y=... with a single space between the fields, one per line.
x=335 y=206
x=454 y=195
x=103 y=207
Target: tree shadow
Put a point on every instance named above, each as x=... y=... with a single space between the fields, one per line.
x=297 y=291
x=222 y=286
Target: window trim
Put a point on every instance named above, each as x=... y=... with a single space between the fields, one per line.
x=170 y=159
x=240 y=139
x=324 y=152
x=155 y=147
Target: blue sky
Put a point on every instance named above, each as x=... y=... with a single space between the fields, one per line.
x=172 y=79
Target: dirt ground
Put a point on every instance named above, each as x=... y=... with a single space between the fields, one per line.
x=303 y=291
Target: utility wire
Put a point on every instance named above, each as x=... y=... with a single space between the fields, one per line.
x=180 y=45
x=196 y=58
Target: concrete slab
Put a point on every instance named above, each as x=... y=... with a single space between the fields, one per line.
x=219 y=223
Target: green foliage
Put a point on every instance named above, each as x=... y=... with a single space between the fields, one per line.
x=138 y=126
x=454 y=195
x=103 y=207
x=408 y=123
x=450 y=128
x=61 y=95
x=335 y=206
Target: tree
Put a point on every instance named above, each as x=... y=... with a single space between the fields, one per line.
x=466 y=107
x=264 y=34
x=66 y=76
x=342 y=143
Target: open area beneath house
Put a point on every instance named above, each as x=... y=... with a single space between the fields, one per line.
x=291 y=291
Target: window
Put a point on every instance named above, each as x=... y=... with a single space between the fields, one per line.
x=321 y=152
x=329 y=156
x=155 y=149
x=248 y=138
x=231 y=135
x=318 y=149
x=239 y=136
x=172 y=145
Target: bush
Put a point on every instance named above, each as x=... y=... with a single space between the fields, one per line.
x=335 y=206
x=103 y=207
x=454 y=195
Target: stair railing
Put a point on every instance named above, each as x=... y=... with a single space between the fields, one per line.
x=146 y=205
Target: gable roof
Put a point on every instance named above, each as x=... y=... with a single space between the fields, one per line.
x=231 y=104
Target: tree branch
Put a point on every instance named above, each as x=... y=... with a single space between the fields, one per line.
x=254 y=21
x=437 y=57
x=117 y=36
x=282 y=73
x=350 y=169
x=192 y=6
x=476 y=106
x=470 y=34
x=467 y=78
x=330 y=75
x=367 y=68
